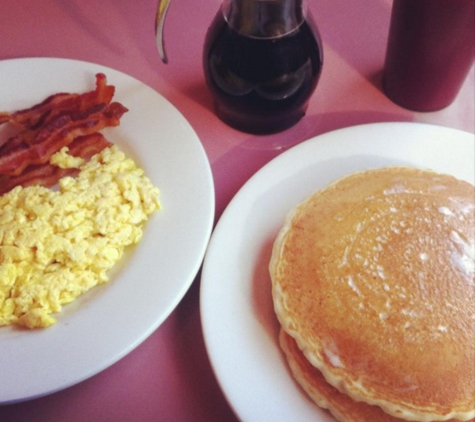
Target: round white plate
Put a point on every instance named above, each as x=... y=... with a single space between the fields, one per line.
x=111 y=320
x=239 y=324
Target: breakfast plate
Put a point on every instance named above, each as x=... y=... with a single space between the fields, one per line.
x=239 y=324
x=111 y=320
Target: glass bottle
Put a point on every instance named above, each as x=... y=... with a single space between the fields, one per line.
x=262 y=60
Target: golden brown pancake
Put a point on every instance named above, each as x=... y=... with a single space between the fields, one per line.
x=374 y=278
x=342 y=407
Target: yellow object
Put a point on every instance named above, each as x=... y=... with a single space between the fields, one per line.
x=57 y=244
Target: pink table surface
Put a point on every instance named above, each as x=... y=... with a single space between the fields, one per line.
x=169 y=377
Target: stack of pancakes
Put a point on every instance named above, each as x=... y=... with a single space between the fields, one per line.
x=373 y=285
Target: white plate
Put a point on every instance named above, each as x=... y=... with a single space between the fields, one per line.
x=110 y=321
x=239 y=324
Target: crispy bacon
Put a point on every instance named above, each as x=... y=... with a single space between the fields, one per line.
x=60 y=120
x=5 y=117
x=11 y=144
x=48 y=175
x=59 y=133
x=60 y=104
x=89 y=145
x=23 y=138
x=43 y=174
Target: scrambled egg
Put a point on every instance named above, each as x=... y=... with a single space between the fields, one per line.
x=57 y=244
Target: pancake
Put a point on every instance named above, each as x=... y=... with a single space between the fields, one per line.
x=341 y=406
x=374 y=278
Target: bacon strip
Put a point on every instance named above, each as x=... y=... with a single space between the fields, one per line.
x=88 y=146
x=48 y=175
x=43 y=174
x=60 y=120
x=5 y=117
x=23 y=138
x=57 y=134
x=61 y=103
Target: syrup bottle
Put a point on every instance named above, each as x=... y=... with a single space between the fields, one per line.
x=262 y=60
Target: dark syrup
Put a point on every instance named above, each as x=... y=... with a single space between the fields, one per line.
x=261 y=85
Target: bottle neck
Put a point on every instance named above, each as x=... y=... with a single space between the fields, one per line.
x=264 y=18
